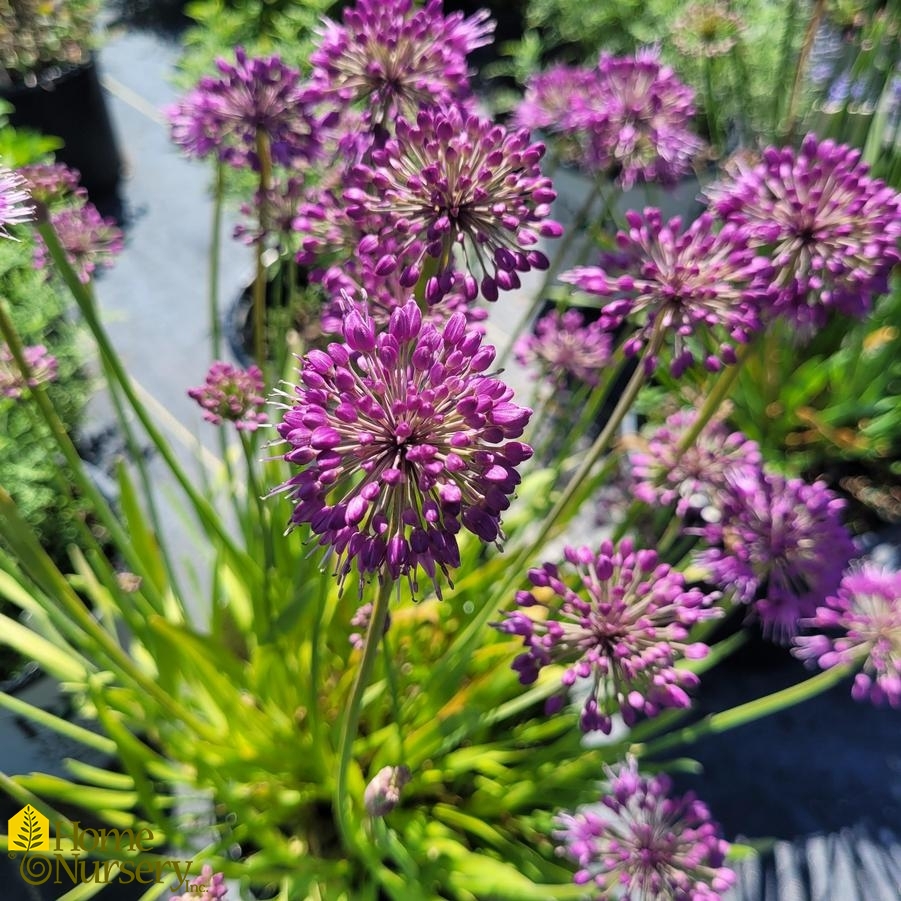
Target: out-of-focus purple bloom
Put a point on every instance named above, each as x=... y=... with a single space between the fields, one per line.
x=222 y=115
x=622 y=633
x=402 y=441
x=52 y=182
x=833 y=231
x=699 y=287
x=397 y=58
x=360 y=621
x=89 y=240
x=640 y=843
x=781 y=545
x=15 y=201
x=208 y=885
x=42 y=367
x=273 y=222
x=867 y=611
x=455 y=181
x=696 y=478
x=382 y=794
x=637 y=120
x=565 y=347
x=325 y=228
x=233 y=395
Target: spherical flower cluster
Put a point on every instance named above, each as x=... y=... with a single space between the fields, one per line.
x=622 y=633
x=640 y=843
x=42 y=367
x=833 y=230
x=707 y=28
x=699 y=283
x=89 y=240
x=694 y=479
x=234 y=395
x=450 y=181
x=208 y=885
x=867 y=610
x=565 y=347
x=780 y=544
x=637 y=120
x=270 y=217
x=396 y=58
x=223 y=115
x=402 y=441
x=52 y=182
x=15 y=201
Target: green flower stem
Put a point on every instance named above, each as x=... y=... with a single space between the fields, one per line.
x=83 y=298
x=215 y=254
x=83 y=482
x=259 y=283
x=394 y=694
x=716 y=723
x=514 y=571
x=343 y=803
x=556 y=263
x=265 y=529
x=792 y=12
x=810 y=34
x=713 y=126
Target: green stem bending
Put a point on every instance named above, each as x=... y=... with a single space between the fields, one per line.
x=746 y=713
x=809 y=36
x=343 y=803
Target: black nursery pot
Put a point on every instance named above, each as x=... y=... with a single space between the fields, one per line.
x=71 y=105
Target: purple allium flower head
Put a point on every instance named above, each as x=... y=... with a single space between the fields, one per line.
x=696 y=283
x=360 y=621
x=867 y=610
x=382 y=794
x=696 y=478
x=279 y=214
x=637 y=120
x=565 y=347
x=640 y=844
x=42 y=368
x=450 y=181
x=396 y=57
x=222 y=115
x=208 y=885
x=15 y=201
x=781 y=545
x=622 y=633
x=89 y=239
x=402 y=441
x=52 y=182
x=234 y=395
x=833 y=230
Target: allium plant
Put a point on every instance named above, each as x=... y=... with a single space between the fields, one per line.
x=455 y=181
x=620 y=632
x=402 y=441
x=231 y=394
x=640 y=843
x=698 y=288
x=831 y=230
x=224 y=115
x=89 y=239
x=395 y=58
x=15 y=201
x=637 y=120
x=780 y=545
x=208 y=885
x=564 y=346
x=52 y=182
x=662 y=473
x=863 y=622
x=42 y=367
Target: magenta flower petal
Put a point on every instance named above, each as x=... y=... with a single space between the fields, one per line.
x=233 y=395
x=15 y=200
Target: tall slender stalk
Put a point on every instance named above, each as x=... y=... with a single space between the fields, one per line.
x=801 y=69
x=343 y=804
x=214 y=261
x=259 y=284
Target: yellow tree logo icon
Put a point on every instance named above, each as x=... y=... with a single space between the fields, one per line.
x=29 y=831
